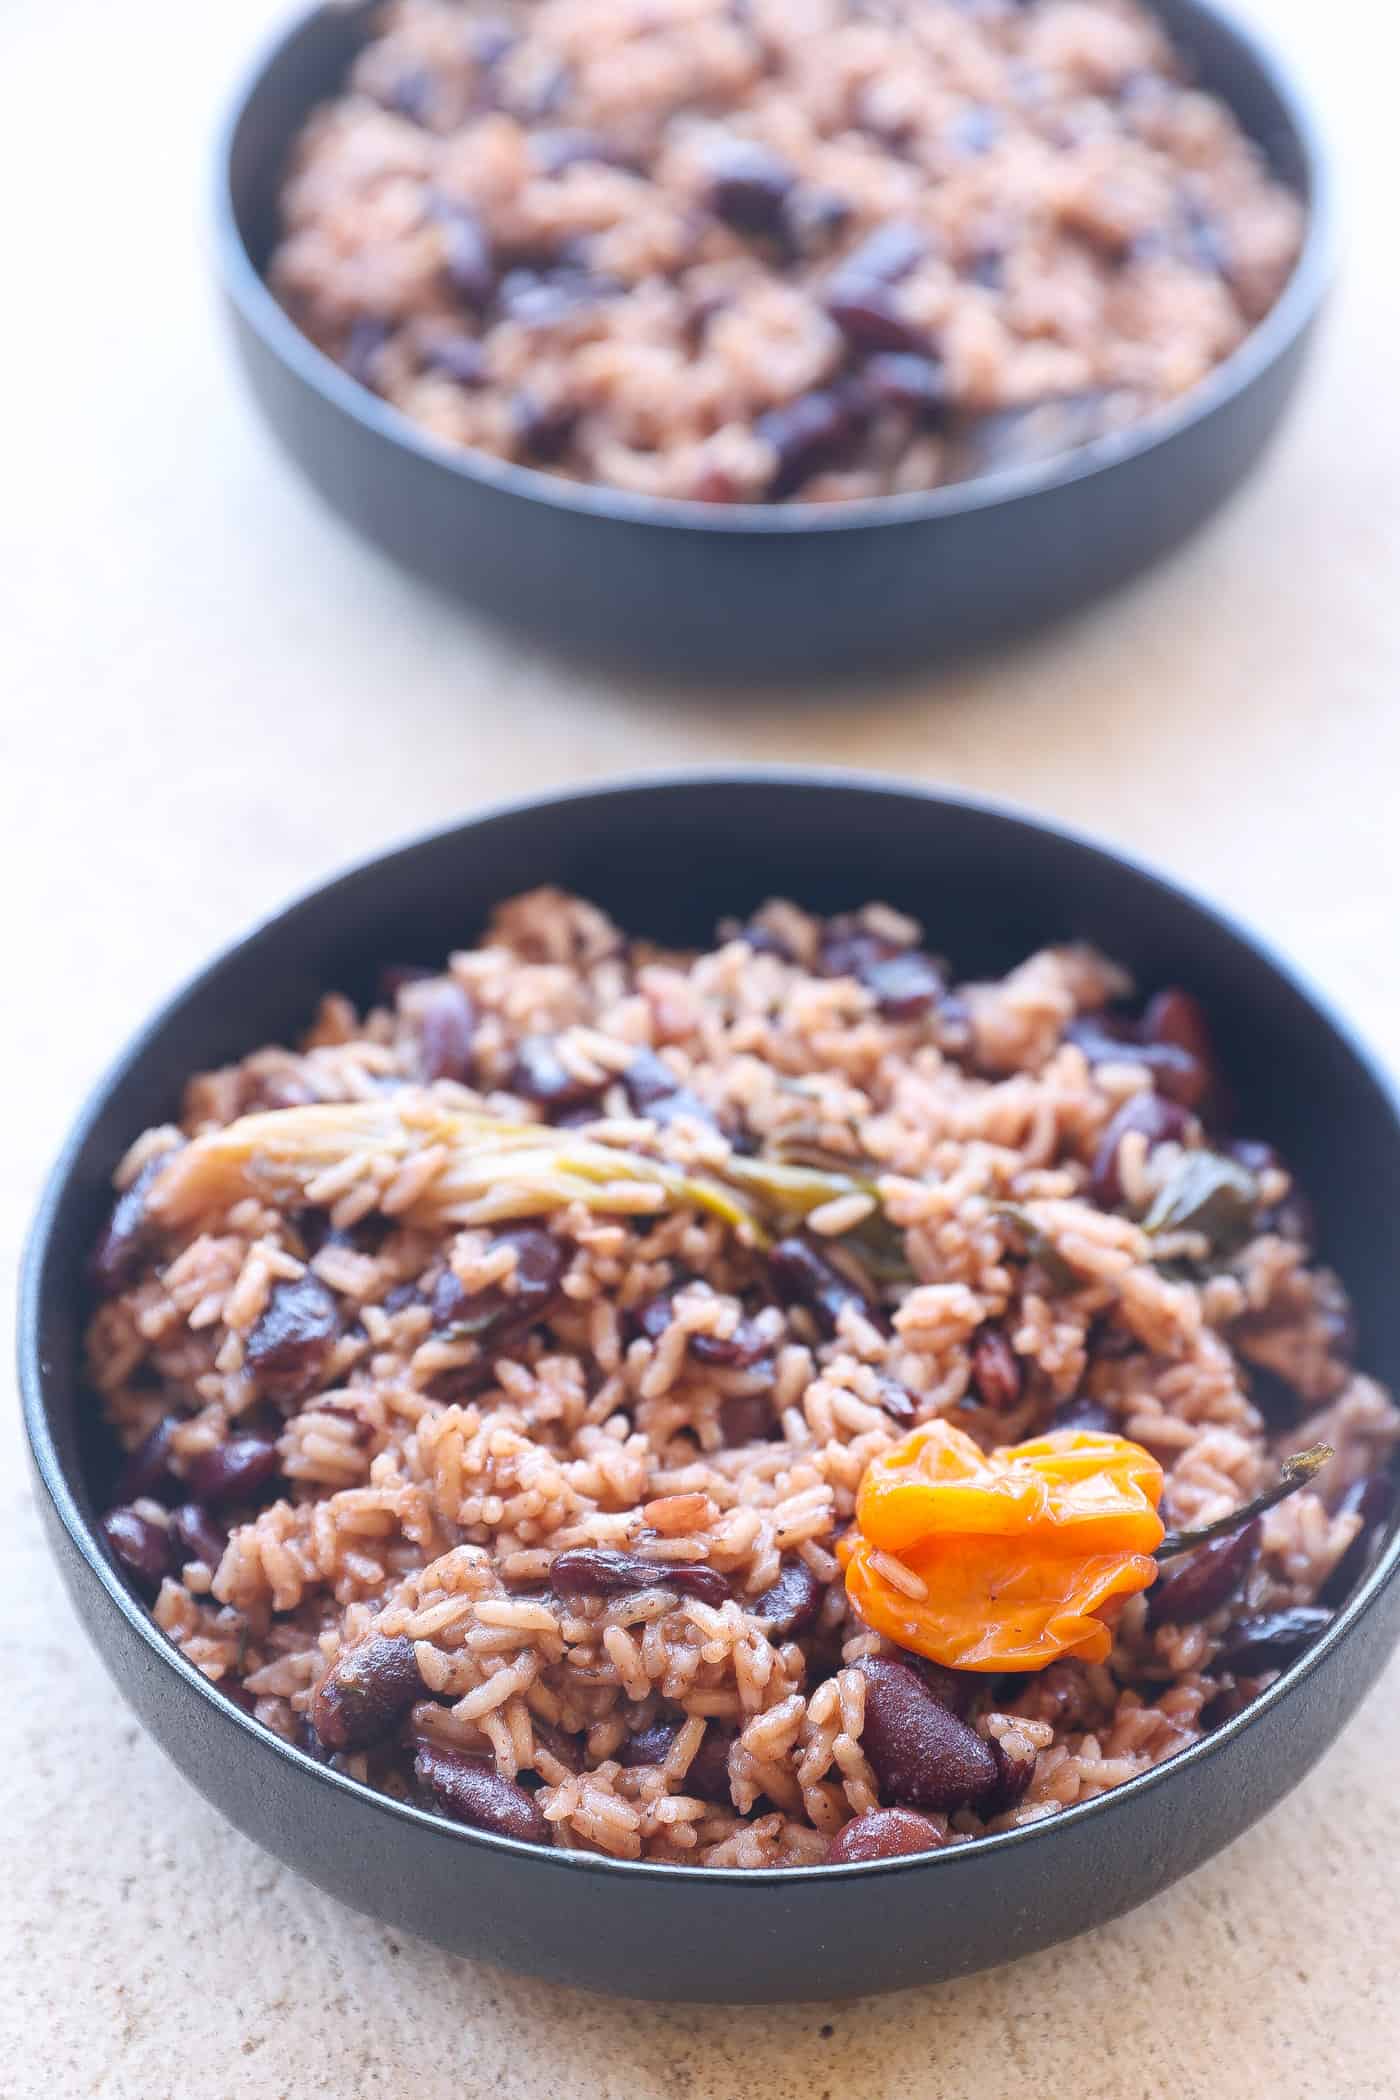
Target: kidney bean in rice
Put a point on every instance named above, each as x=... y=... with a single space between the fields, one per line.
x=745 y=250
x=514 y=1487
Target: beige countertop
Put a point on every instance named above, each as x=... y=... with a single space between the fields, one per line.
x=213 y=695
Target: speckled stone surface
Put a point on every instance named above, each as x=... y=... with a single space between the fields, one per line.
x=212 y=696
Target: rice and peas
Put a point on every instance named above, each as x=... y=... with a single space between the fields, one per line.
x=743 y=251
x=497 y=1370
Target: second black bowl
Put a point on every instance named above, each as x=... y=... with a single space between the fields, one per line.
x=668 y=858
x=783 y=590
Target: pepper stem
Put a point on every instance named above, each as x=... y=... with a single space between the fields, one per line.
x=1297 y=1469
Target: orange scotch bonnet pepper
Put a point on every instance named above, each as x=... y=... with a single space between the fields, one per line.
x=1003 y=1560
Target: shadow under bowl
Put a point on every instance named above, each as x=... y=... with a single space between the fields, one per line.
x=668 y=857
x=760 y=591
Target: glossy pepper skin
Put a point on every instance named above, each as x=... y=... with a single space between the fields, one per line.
x=1019 y=1551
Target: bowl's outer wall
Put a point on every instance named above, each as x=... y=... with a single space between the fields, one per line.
x=697 y=600
x=702 y=1938
x=668 y=859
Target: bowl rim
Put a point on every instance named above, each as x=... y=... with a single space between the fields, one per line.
x=935 y=797
x=1269 y=339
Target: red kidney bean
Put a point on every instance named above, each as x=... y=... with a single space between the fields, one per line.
x=904 y=982
x=368 y=335
x=543 y=299
x=554 y=151
x=459 y=358
x=652 y=1746
x=850 y=949
x=902 y=380
x=488 y=40
x=1155 y=1118
x=1341 y=1329
x=1255 y=1155
x=467 y=258
x=1231 y=1700
x=1199 y=1582
x=904 y=986
x=141 y=1546
x=955 y=1689
x=807 y=434
x=1271 y=1640
x=146 y=1470
x=471 y=1790
x=1080 y=1412
x=813 y=218
x=790 y=1604
x=197 y=1534
x=707 y=1775
x=654 y=1315
x=408 y=94
x=744 y=1348
x=446 y=1033
x=539 y=1074
x=648 y=1083
x=803 y=1275
x=897 y=1400
x=653 y=1090
x=234 y=1471
x=1176 y=1016
x=546 y=95
x=749 y=186
x=1108 y=1343
x=886 y=255
x=761 y=940
x=883 y=1833
x=366 y=1694
x=922 y=1755
x=597 y=1571
x=1096 y=1030
x=1175 y=1072
x=1015 y=1771
x=868 y=315
x=1372 y=1499
x=569 y=1749
x=1293 y=1219
x=975 y=130
x=543 y=428
x=747 y=1418
x=116 y=1260
x=499 y=1311
x=288 y=1348
x=452 y=1305
x=1293 y=1216
x=996 y=1370
x=411 y=95
x=575 y=1118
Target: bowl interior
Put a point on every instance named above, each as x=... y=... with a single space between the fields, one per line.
x=309 y=63
x=669 y=859
x=312 y=59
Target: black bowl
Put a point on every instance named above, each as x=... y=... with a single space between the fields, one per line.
x=786 y=590
x=669 y=857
